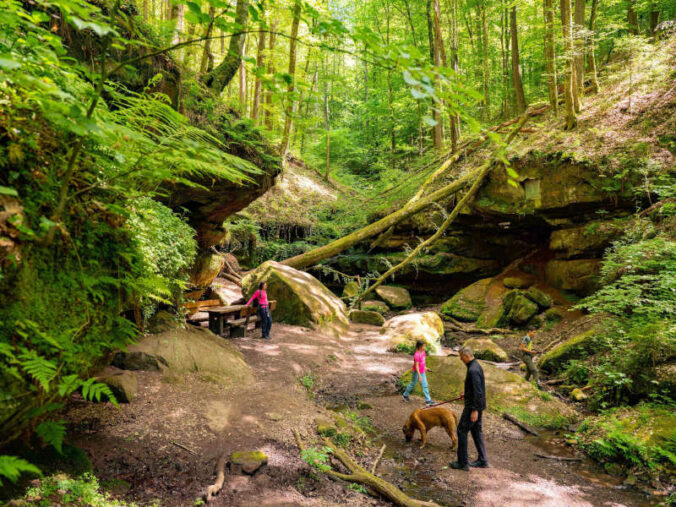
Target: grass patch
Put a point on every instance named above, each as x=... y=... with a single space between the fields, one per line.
x=548 y=421
x=61 y=489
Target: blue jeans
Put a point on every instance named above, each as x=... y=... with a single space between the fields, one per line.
x=266 y=320
x=423 y=384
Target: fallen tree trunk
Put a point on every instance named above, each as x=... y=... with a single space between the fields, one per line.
x=518 y=423
x=478 y=177
x=360 y=475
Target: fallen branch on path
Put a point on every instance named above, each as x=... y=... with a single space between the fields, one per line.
x=360 y=475
x=380 y=455
x=216 y=487
x=557 y=458
x=518 y=423
x=477 y=178
x=181 y=446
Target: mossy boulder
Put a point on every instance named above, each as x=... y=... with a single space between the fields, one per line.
x=577 y=347
x=206 y=268
x=405 y=330
x=375 y=306
x=505 y=392
x=487 y=349
x=554 y=315
x=325 y=427
x=517 y=282
x=578 y=275
x=197 y=350
x=521 y=309
x=578 y=394
x=350 y=290
x=494 y=315
x=395 y=297
x=123 y=384
x=131 y=359
x=247 y=462
x=543 y=300
x=302 y=300
x=468 y=303
x=367 y=317
x=589 y=239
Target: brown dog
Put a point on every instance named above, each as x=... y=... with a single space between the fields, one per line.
x=423 y=419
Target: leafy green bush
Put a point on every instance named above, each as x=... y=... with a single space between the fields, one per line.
x=60 y=489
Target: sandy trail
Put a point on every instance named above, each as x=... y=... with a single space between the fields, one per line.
x=134 y=449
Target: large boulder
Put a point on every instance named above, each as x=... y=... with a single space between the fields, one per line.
x=589 y=240
x=521 y=309
x=367 y=317
x=226 y=291
x=196 y=350
x=505 y=392
x=577 y=347
x=131 y=359
x=123 y=384
x=576 y=275
x=375 y=306
x=395 y=297
x=206 y=268
x=543 y=300
x=487 y=349
x=405 y=330
x=517 y=281
x=494 y=315
x=302 y=300
x=467 y=304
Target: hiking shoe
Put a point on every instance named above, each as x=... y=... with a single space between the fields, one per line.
x=479 y=464
x=431 y=402
x=457 y=466
x=406 y=398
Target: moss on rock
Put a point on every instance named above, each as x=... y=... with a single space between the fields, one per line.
x=405 y=330
x=375 y=306
x=505 y=392
x=577 y=347
x=302 y=300
x=487 y=349
x=521 y=309
x=395 y=297
x=350 y=290
x=367 y=317
x=517 y=282
x=468 y=303
x=577 y=275
x=543 y=300
x=247 y=461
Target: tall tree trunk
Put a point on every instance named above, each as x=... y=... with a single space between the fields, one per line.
x=455 y=118
x=219 y=78
x=438 y=133
x=242 y=83
x=327 y=125
x=145 y=10
x=189 y=50
x=260 y=52
x=284 y=145
x=632 y=17
x=504 y=42
x=654 y=19
x=516 y=67
x=390 y=98
x=486 y=76
x=178 y=31
x=550 y=55
x=569 y=69
x=591 y=51
x=578 y=31
x=301 y=97
x=206 y=53
x=270 y=72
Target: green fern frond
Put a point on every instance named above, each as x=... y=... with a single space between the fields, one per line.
x=52 y=433
x=41 y=369
x=12 y=467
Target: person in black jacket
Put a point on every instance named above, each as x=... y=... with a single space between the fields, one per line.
x=470 y=421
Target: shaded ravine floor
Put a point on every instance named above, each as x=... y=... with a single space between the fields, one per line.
x=165 y=444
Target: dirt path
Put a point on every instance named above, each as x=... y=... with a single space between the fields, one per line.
x=139 y=452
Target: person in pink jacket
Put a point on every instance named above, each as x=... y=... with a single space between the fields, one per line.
x=261 y=298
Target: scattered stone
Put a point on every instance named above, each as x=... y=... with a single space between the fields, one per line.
x=362 y=405
x=123 y=384
x=578 y=394
x=247 y=462
x=468 y=303
x=138 y=360
x=350 y=290
x=275 y=416
x=367 y=317
x=487 y=349
x=375 y=306
x=517 y=282
x=405 y=330
x=396 y=297
x=576 y=275
x=543 y=300
x=302 y=300
x=521 y=309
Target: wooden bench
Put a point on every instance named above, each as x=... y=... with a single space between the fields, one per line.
x=196 y=310
x=233 y=321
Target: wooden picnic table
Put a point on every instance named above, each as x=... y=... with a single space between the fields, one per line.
x=234 y=319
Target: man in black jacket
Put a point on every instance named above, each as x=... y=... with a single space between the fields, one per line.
x=475 y=404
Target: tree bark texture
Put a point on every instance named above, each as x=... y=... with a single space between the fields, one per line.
x=550 y=55
x=591 y=50
x=288 y=110
x=578 y=33
x=516 y=66
x=569 y=69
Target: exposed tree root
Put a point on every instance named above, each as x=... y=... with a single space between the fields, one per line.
x=380 y=455
x=216 y=487
x=518 y=423
x=360 y=475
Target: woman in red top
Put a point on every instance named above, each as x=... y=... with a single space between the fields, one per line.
x=419 y=373
x=261 y=297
